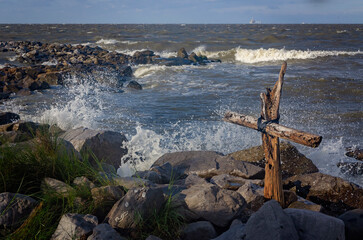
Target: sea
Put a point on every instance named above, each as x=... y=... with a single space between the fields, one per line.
x=181 y=107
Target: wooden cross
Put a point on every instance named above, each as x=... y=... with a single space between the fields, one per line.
x=271 y=132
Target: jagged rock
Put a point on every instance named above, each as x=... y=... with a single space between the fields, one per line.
x=54 y=186
x=236 y=232
x=333 y=193
x=137 y=202
x=355 y=152
x=182 y=53
x=52 y=78
x=106 y=145
x=231 y=182
x=302 y=203
x=270 y=222
x=23 y=92
x=207 y=164
x=75 y=226
x=83 y=181
x=253 y=194
x=202 y=230
x=131 y=182
x=352 y=168
x=135 y=85
x=161 y=174
x=353 y=221
x=312 y=225
x=208 y=202
x=105 y=232
x=14 y=208
x=194 y=179
x=8 y=117
x=107 y=194
x=149 y=175
x=292 y=161
x=289 y=197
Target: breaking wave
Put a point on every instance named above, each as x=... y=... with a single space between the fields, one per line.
x=107 y=41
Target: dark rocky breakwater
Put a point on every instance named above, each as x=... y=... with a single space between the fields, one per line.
x=216 y=196
x=44 y=64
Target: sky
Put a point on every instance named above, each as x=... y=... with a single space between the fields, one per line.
x=181 y=11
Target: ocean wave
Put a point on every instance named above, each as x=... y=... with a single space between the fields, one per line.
x=107 y=41
x=129 y=42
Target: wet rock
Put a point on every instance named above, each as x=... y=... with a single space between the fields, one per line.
x=105 y=232
x=105 y=145
x=24 y=92
x=253 y=195
x=54 y=186
x=271 y=222
x=302 y=203
x=292 y=161
x=194 y=58
x=355 y=152
x=333 y=193
x=202 y=230
x=353 y=221
x=231 y=182
x=75 y=226
x=208 y=202
x=8 y=117
x=52 y=78
x=236 y=232
x=135 y=85
x=207 y=164
x=182 y=53
x=315 y=225
x=173 y=61
x=140 y=202
x=14 y=208
x=351 y=168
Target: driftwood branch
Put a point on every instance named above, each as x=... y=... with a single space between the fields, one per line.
x=277 y=130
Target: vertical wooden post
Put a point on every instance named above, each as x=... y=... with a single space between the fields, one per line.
x=270 y=111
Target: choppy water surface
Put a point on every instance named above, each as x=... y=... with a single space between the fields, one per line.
x=181 y=107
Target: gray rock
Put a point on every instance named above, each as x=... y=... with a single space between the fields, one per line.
x=207 y=164
x=131 y=182
x=137 y=202
x=333 y=193
x=292 y=161
x=105 y=145
x=182 y=53
x=14 y=208
x=353 y=221
x=302 y=203
x=312 y=225
x=149 y=175
x=83 y=181
x=236 y=232
x=54 y=186
x=105 y=232
x=74 y=226
x=270 y=222
x=168 y=173
x=232 y=182
x=202 y=230
x=135 y=85
x=194 y=179
x=107 y=194
x=208 y=202
x=253 y=194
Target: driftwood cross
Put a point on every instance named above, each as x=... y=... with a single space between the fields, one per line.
x=271 y=132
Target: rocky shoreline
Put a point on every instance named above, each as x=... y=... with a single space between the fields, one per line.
x=45 y=64
x=217 y=196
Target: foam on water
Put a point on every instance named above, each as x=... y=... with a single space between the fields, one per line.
x=107 y=41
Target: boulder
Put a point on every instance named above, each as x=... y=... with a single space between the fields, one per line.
x=182 y=53
x=105 y=232
x=355 y=152
x=312 y=225
x=54 y=186
x=232 y=182
x=302 y=203
x=209 y=202
x=333 y=193
x=202 y=230
x=253 y=194
x=135 y=85
x=8 y=117
x=75 y=226
x=105 y=145
x=236 y=232
x=149 y=175
x=292 y=161
x=107 y=195
x=138 y=202
x=194 y=179
x=52 y=78
x=131 y=182
x=351 y=168
x=83 y=182
x=270 y=222
x=14 y=209
x=353 y=221
x=207 y=164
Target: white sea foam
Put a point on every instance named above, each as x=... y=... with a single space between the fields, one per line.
x=107 y=41
x=129 y=42
x=147 y=70
x=2 y=66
